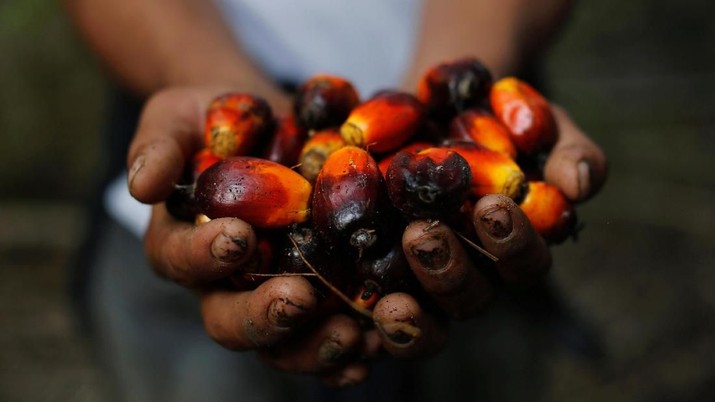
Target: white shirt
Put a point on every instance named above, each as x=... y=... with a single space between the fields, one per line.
x=369 y=42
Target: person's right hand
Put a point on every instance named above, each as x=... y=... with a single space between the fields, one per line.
x=199 y=256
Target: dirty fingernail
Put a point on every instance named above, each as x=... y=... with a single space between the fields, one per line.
x=497 y=222
x=331 y=351
x=284 y=313
x=227 y=248
x=431 y=251
x=584 y=179
x=136 y=167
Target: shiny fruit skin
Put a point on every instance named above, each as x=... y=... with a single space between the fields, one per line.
x=549 y=212
x=481 y=128
x=350 y=210
x=263 y=193
x=236 y=123
x=324 y=101
x=526 y=113
x=492 y=172
x=384 y=122
x=286 y=143
x=432 y=183
x=449 y=88
x=384 y=163
x=316 y=151
x=203 y=160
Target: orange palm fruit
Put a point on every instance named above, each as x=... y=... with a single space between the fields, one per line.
x=350 y=209
x=492 y=172
x=203 y=160
x=286 y=143
x=235 y=123
x=549 y=212
x=324 y=101
x=526 y=113
x=263 y=193
x=449 y=88
x=316 y=151
x=384 y=122
x=384 y=163
x=483 y=129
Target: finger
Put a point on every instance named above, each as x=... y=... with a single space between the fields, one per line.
x=393 y=312
x=506 y=232
x=348 y=376
x=444 y=269
x=169 y=132
x=196 y=254
x=576 y=164
x=258 y=318
x=331 y=343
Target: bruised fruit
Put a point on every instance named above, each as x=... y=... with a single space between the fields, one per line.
x=286 y=143
x=492 y=172
x=384 y=122
x=549 y=212
x=526 y=113
x=316 y=150
x=350 y=209
x=235 y=123
x=263 y=193
x=432 y=183
x=449 y=88
x=481 y=128
x=324 y=101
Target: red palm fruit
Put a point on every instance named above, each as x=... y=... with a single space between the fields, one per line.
x=449 y=88
x=526 y=113
x=263 y=193
x=316 y=150
x=385 y=273
x=483 y=129
x=350 y=209
x=235 y=123
x=324 y=101
x=432 y=183
x=203 y=160
x=286 y=143
x=549 y=212
x=261 y=262
x=492 y=172
x=384 y=122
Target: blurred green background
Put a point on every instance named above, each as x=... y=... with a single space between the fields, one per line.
x=638 y=76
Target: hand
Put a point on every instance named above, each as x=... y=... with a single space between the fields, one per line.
x=441 y=263
x=277 y=317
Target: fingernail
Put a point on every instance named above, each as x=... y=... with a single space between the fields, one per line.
x=497 y=222
x=393 y=332
x=432 y=252
x=584 y=179
x=227 y=248
x=331 y=351
x=284 y=313
x=136 y=167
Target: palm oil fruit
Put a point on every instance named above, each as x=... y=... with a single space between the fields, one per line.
x=432 y=183
x=384 y=163
x=316 y=150
x=526 y=113
x=492 y=172
x=483 y=129
x=449 y=88
x=324 y=101
x=263 y=193
x=384 y=273
x=549 y=212
x=350 y=210
x=286 y=143
x=384 y=122
x=235 y=123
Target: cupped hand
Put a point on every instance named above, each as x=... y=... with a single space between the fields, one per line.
x=456 y=283
x=276 y=318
